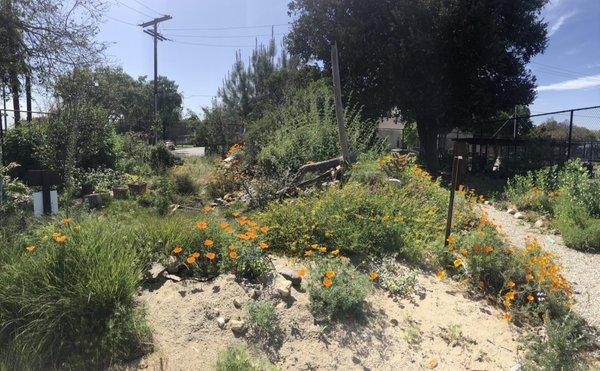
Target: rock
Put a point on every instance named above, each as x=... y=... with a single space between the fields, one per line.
x=237 y=326
x=395 y=182
x=432 y=362
x=486 y=202
x=518 y=215
x=539 y=223
x=516 y=367
x=155 y=270
x=221 y=321
x=172 y=277
x=511 y=211
x=282 y=288
x=237 y=303
x=211 y=313
x=291 y=275
x=255 y=294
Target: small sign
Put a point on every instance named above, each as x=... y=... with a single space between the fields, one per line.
x=38 y=203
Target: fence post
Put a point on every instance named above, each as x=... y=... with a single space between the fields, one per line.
x=454 y=184
x=570 y=136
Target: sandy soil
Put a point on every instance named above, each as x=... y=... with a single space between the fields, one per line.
x=437 y=328
x=580 y=268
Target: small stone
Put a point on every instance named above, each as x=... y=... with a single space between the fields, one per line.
x=237 y=326
x=221 y=321
x=211 y=313
x=539 y=223
x=142 y=365
x=516 y=367
x=237 y=303
x=172 y=277
x=282 y=288
x=395 y=182
x=518 y=215
x=291 y=275
x=511 y=211
x=486 y=202
x=432 y=362
x=155 y=270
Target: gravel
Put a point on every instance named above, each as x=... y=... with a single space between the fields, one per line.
x=580 y=268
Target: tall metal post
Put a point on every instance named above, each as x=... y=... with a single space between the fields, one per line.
x=570 y=136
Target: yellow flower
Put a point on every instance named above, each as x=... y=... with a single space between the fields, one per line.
x=233 y=255
x=322 y=249
x=329 y=273
x=488 y=249
x=507 y=316
x=65 y=221
x=451 y=239
x=210 y=255
x=264 y=245
x=202 y=224
x=264 y=229
x=510 y=284
x=61 y=238
x=510 y=295
x=440 y=274
x=373 y=276
x=463 y=251
x=335 y=252
x=177 y=250
x=235 y=214
x=30 y=248
x=327 y=282
x=302 y=272
x=191 y=259
x=208 y=242
x=529 y=276
x=458 y=263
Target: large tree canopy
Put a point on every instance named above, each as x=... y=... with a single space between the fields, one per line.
x=442 y=64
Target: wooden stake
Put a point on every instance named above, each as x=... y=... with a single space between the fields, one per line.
x=339 y=110
x=454 y=184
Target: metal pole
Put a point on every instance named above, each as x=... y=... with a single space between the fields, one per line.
x=454 y=184
x=570 y=136
x=156 y=81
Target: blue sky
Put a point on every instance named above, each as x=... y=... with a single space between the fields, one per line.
x=207 y=33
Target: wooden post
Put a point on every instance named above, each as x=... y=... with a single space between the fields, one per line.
x=570 y=136
x=339 y=111
x=454 y=184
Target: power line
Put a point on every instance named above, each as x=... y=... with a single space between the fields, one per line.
x=212 y=45
x=147 y=7
x=121 y=21
x=224 y=28
x=225 y=37
x=557 y=68
x=134 y=9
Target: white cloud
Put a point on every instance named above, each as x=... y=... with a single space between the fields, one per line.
x=580 y=83
x=559 y=23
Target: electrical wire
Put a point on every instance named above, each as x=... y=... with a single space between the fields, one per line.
x=121 y=21
x=559 y=69
x=223 y=28
x=212 y=45
x=147 y=7
x=134 y=9
x=224 y=37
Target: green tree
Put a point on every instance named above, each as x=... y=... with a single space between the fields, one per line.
x=443 y=64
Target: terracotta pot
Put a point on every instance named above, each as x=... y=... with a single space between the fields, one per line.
x=136 y=189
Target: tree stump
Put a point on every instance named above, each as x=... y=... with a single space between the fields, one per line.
x=120 y=193
x=136 y=189
x=93 y=200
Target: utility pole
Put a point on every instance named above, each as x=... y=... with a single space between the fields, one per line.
x=156 y=36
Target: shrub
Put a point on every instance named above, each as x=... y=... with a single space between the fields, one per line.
x=67 y=297
x=183 y=182
x=162 y=195
x=236 y=358
x=82 y=182
x=21 y=146
x=14 y=193
x=135 y=152
x=263 y=317
x=336 y=288
x=561 y=349
x=161 y=158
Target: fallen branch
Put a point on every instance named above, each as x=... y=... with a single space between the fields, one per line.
x=327 y=165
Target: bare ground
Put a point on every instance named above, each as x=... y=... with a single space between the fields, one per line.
x=437 y=327
x=580 y=268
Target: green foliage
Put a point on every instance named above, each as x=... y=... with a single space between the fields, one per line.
x=82 y=288
x=135 y=154
x=236 y=358
x=21 y=145
x=336 y=288
x=263 y=317
x=305 y=129
x=161 y=158
x=561 y=348
x=14 y=193
x=163 y=195
x=82 y=182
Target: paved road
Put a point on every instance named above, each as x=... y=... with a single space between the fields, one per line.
x=190 y=151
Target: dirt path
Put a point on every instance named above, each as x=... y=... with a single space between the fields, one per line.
x=437 y=328
x=581 y=269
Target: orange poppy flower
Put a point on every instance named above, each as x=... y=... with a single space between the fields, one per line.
x=264 y=229
x=510 y=284
x=463 y=251
x=302 y=272
x=335 y=252
x=208 y=242
x=327 y=282
x=507 y=316
x=440 y=274
x=235 y=214
x=529 y=276
x=30 y=248
x=264 y=245
x=202 y=224
x=233 y=254
x=329 y=273
x=252 y=223
x=243 y=236
x=207 y=208
x=60 y=239
x=488 y=249
x=458 y=263
x=251 y=235
x=177 y=249
x=224 y=225
x=196 y=254
x=530 y=297
x=190 y=259
x=210 y=255
x=65 y=221
x=373 y=276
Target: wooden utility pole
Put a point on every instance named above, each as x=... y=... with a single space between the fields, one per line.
x=339 y=110
x=156 y=36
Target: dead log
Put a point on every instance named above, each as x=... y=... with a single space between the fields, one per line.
x=333 y=167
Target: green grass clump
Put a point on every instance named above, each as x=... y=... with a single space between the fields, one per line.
x=71 y=303
x=263 y=316
x=336 y=288
x=236 y=358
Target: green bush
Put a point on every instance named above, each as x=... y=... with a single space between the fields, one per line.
x=15 y=195
x=162 y=194
x=135 y=154
x=67 y=297
x=263 y=317
x=236 y=358
x=336 y=288
x=82 y=182
x=161 y=158
x=21 y=145
x=183 y=182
